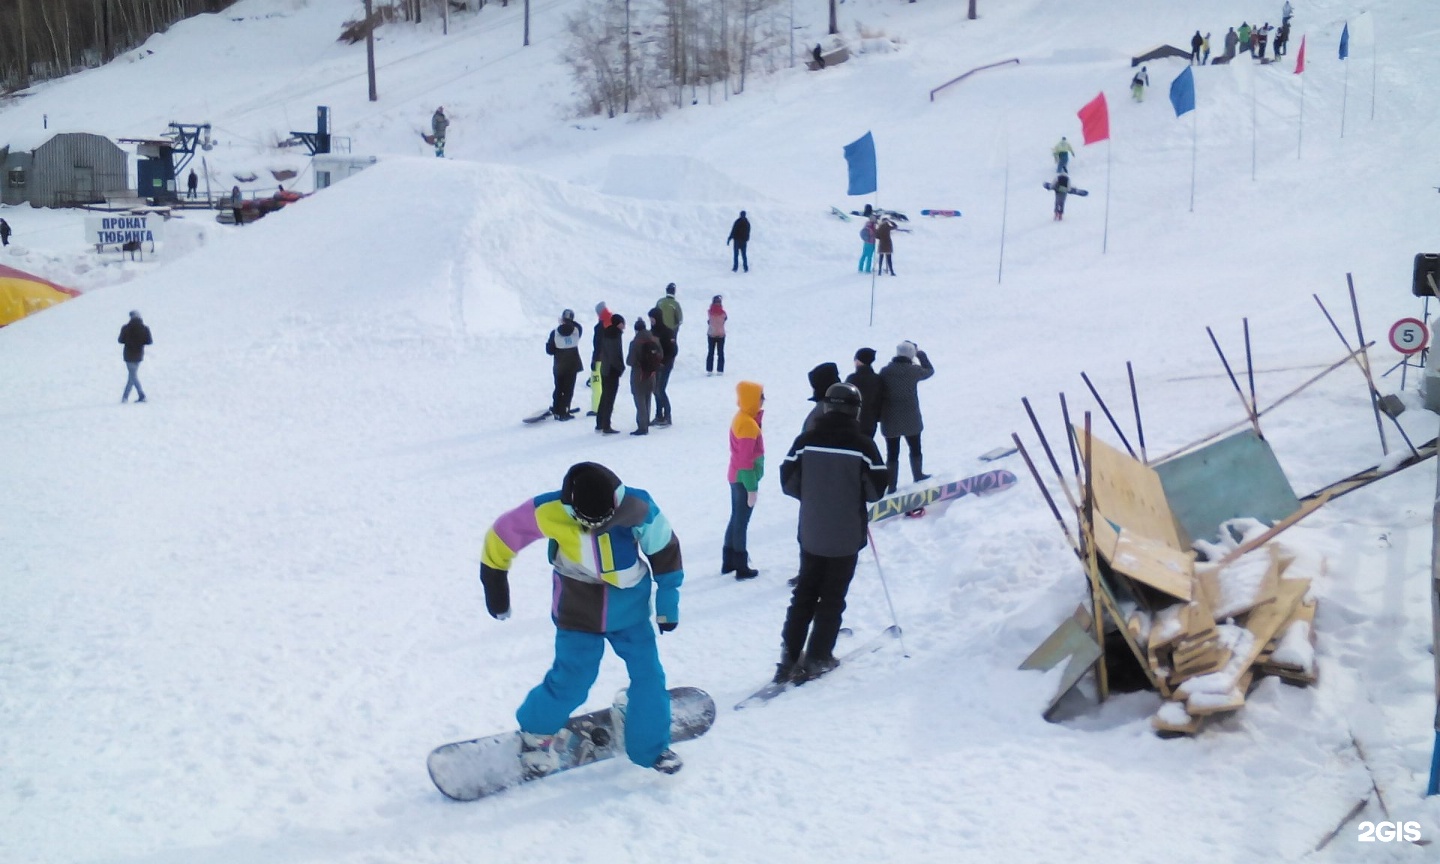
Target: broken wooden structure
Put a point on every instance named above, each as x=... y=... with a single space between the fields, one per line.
x=1200 y=628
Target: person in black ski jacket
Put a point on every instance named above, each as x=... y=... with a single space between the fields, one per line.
x=867 y=381
x=900 y=410
x=4 y=233
x=669 y=347
x=836 y=472
x=1195 y=42
x=612 y=366
x=134 y=336
x=738 y=239
x=564 y=346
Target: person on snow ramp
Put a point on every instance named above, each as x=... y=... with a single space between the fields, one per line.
x=607 y=544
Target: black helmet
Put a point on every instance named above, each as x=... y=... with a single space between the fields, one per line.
x=844 y=398
x=590 y=491
x=567 y=315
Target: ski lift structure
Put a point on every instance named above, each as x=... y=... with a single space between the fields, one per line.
x=162 y=160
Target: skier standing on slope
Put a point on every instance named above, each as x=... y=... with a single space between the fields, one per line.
x=564 y=346
x=607 y=545
x=747 y=466
x=836 y=472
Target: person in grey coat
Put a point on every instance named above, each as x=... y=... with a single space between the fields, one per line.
x=643 y=359
x=900 y=409
x=835 y=471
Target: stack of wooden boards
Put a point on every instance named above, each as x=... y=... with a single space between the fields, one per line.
x=1243 y=620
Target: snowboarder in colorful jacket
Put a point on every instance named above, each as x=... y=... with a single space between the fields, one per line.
x=607 y=545
x=747 y=466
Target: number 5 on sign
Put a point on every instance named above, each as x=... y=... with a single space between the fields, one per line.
x=1409 y=336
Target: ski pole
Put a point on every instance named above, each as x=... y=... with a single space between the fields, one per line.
x=899 y=633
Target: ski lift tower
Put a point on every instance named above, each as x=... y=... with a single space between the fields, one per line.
x=164 y=159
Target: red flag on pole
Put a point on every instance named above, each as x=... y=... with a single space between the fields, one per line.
x=1095 y=120
x=1300 y=57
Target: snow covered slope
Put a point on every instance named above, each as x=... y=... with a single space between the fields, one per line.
x=235 y=619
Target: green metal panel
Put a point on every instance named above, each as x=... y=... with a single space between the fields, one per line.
x=1230 y=478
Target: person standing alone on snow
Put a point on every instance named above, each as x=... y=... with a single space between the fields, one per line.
x=836 y=472
x=191 y=184
x=607 y=545
x=1196 y=43
x=1138 y=85
x=739 y=238
x=134 y=336
x=747 y=466
x=900 y=410
x=715 y=337
x=4 y=233
x=564 y=346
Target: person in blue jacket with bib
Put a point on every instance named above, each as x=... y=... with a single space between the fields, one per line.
x=607 y=545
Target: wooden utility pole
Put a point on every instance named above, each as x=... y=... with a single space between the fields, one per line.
x=972 y=10
x=370 y=48
x=527 y=22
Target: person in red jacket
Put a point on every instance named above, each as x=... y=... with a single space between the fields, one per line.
x=747 y=466
x=715 y=335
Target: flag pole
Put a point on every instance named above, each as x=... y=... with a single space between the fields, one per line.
x=1004 y=213
x=1105 y=242
x=1300 y=141
x=1194 y=148
x=1254 y=134
x=874 y=259
x=1344 y=99
x=1374 y=72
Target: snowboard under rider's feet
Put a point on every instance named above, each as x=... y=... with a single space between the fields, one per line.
x=668 y=762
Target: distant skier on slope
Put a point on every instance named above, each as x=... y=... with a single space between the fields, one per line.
x=598 y=598
x=1138 y=85
x=1062 y=153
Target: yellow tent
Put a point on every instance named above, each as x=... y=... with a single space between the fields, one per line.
x=22 y=294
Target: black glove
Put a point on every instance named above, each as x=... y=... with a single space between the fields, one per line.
x=497 y=591
x=667 y=626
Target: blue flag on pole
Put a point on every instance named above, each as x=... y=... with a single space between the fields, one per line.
x=860 y=157
x=1345 y=42
x=1182 y=92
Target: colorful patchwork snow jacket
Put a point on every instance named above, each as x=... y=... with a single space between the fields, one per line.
x=747 y=443
x=601 y=578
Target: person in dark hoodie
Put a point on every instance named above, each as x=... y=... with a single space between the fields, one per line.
x=665 y=335
x=612 y=366
x=134 y=336
x=835 y=472
x=644 y=360
x=595 y=382
x=564 y=346
x=900 y=409
x=867 y=381
x=821 y=377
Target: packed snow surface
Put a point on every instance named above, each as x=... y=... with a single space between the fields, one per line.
x=234 y=620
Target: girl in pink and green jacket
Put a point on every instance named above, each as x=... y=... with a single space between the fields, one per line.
x=747 y=466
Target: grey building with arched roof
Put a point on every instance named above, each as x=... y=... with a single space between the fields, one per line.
x=63 y=169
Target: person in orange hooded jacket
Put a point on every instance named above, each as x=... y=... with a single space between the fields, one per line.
x=747 y=466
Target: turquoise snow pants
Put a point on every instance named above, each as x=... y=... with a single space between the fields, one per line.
x=867 y=255
x=577 y=664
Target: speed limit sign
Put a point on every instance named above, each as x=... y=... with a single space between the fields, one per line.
x=1409 y=336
